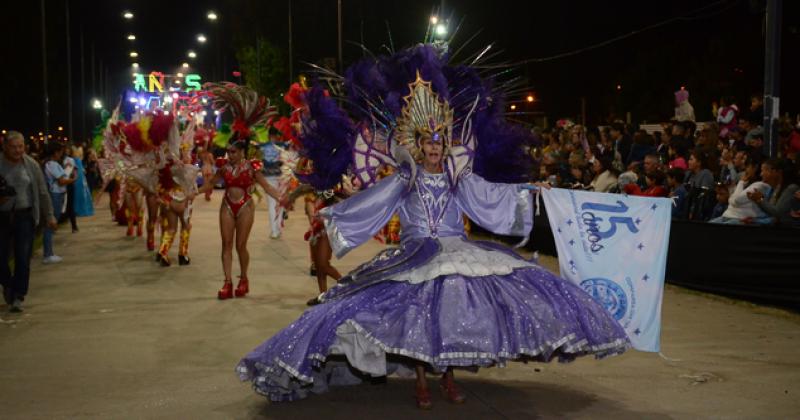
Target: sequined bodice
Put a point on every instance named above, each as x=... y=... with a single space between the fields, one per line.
x=430 y=210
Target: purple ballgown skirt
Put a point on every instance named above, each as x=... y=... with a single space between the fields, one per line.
x=371 y=326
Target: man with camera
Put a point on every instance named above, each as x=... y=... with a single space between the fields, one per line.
x=24 y=203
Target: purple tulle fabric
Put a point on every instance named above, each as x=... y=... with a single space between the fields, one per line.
x=453 y=320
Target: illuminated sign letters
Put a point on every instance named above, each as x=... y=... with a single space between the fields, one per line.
x=156 y=81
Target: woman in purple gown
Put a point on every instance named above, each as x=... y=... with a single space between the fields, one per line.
x=438 y=301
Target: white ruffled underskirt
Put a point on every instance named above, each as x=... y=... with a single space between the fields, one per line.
x=460 y=256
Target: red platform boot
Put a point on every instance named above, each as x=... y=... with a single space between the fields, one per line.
x=226 y=292
x=243 y=287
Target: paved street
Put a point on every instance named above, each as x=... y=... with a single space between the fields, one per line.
x=109 y=334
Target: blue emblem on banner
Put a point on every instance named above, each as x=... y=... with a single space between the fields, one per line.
x=608 y=294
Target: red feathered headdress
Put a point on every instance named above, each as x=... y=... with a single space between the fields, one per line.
x=295 y=96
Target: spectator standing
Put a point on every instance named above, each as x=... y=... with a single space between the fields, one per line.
x=271 y=153
x=70 y=169
x=92 y=170
x=684 y=111
x=57 y=181
x=82 y=203
x=21 y=210
x=727 y=116
x=622 y=143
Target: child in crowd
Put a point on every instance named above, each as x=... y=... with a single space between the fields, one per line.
x=677 y=192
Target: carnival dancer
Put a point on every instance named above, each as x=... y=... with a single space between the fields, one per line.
x=438 y=299
x=176 y=189
x=316 y=195
x=237 y=211
x=152 y=206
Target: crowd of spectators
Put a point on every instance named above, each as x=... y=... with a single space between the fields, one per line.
x=719 y=173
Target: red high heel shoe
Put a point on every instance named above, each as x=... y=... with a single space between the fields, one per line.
x=450 y=390
x=226 y=292
x=423 y=397
x=243 y=287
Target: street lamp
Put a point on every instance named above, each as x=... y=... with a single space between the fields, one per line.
x=530 y=98
x=131 y=37
x=185 y=65
x=135 y=65
x=192 y=54
x=513 y=107
x=201 y=39
x=211 y=16
x=96 y=104
x=434 y=20
x=127 y=15
x=134 y=54
x=441 y=29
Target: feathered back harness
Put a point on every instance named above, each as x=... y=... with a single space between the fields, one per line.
x=248 y=108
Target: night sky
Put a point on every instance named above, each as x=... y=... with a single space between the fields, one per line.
x=718 y=51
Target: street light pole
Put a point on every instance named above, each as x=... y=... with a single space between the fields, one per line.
x=83 y=89
x=46 y=103
x=772 y=58
x=291 y=77
x=339 y=13
x=69 y=74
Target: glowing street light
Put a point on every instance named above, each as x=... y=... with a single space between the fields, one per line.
x=96 y=104
x=134 y=54
x=434 y=20
x=441 y=29
x=513 y=107
x=201 y=38
x=180 y=74
x=135 y=65
x=530 y=98
x=192 y=54
x=131 y=37
x=127 y=15
x=211 y=16
x=185 y=65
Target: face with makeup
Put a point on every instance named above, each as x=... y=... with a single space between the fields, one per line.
x=432 y=150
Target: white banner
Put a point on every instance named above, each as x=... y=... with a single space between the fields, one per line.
x=614 y=247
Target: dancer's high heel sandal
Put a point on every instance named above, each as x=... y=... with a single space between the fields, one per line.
x=423 y=397
x=226 y=292
x=243 y=287
x=450 y=390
